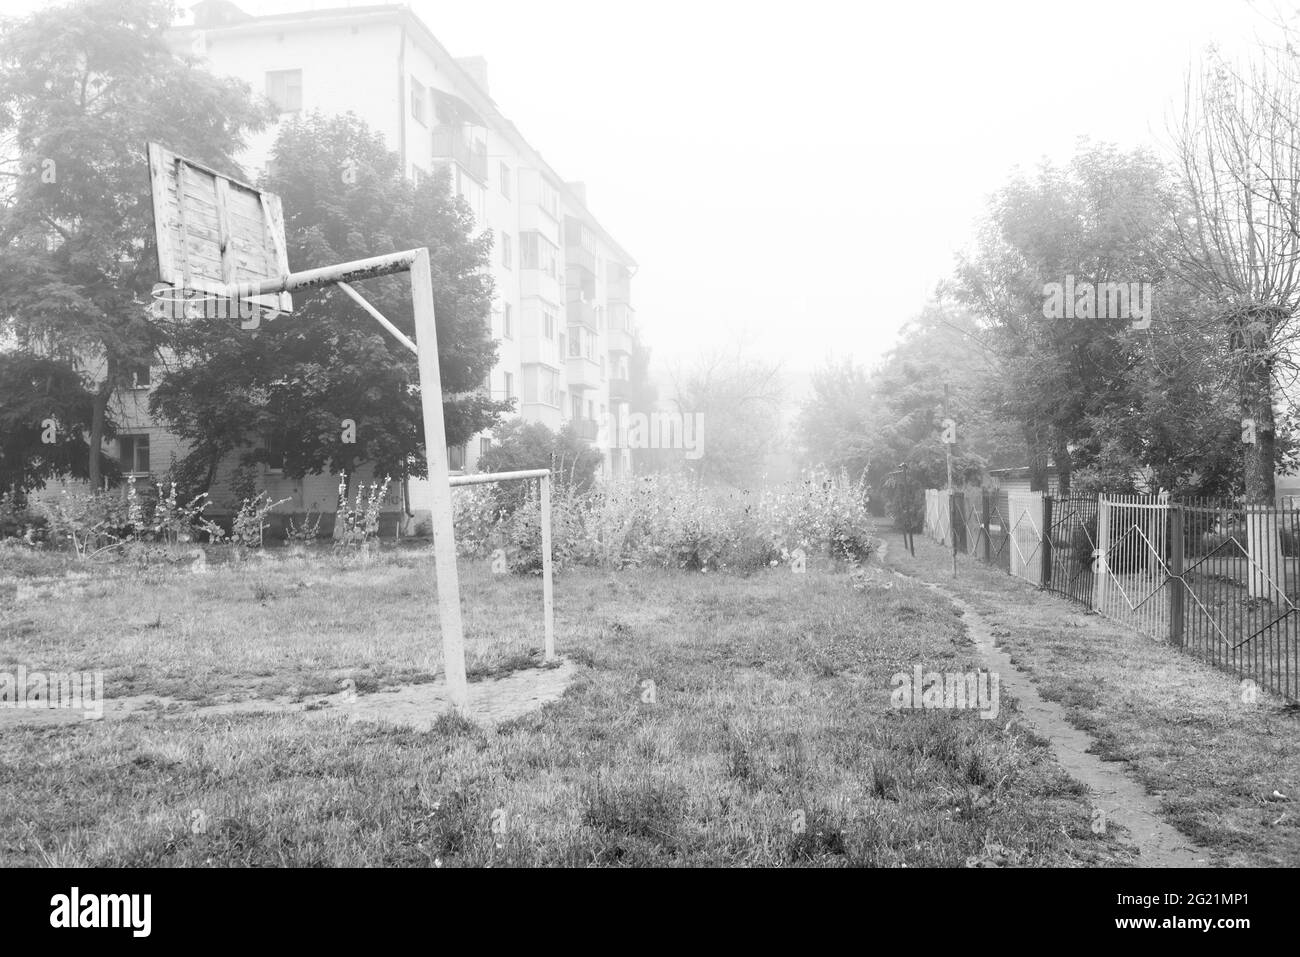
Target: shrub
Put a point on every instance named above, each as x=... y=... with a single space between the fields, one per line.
x=361 y=518
x=666 y=521
x=249 y=526
x=307 y=532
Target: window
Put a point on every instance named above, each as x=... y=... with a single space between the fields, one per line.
x=507 y=251
x=510 y=385
x=538 y=252
x=507 y=322
x=550 y=198
x=548 y=325
x=284 y=89
x=456 y=458
x=562 y=351
x=140 y=377
x=505 y=180
x=575 y=343
x=133 y=453
x=484 y=445
x=419 y=102
x=274 y=446
x=577 y=406
x=418 y=176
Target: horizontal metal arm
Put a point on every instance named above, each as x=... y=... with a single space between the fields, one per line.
x=486 y=477
x=342 y=272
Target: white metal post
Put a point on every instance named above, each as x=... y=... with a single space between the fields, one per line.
x=435 y=447
x=548 y=600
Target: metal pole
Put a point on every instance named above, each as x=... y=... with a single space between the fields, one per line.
x=378 y=316
x=947 y=454
x=342 y=272
x=548 y=599
x=435 y=450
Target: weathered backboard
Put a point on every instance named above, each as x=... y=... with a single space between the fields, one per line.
x=214 y=231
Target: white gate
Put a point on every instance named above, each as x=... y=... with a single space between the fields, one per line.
x=1025 y=530
x=937 y=519
x=1131 y=573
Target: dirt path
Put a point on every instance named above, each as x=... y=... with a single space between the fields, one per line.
x=1121 y=799
x=491 y=702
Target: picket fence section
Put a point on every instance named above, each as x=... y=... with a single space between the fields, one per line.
x=1214 y=578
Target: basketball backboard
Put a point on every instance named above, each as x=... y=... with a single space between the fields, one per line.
x=214 y=232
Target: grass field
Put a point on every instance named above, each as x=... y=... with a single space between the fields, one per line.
x=770 y=739
x=1213 y=759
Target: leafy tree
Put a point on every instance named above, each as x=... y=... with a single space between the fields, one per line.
x=740 y=400
x=83 y=87
x=302 y=375
x=1105 y=217
x=893 y=415
x=520 y=446
x=43 y=399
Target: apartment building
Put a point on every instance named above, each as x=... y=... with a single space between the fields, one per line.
x=562 y=317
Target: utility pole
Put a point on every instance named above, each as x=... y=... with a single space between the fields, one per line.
x=949 y=438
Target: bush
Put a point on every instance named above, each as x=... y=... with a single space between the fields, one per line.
x=666 y=521
x=110 y=522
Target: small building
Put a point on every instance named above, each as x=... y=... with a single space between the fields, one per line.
x=1016 y=480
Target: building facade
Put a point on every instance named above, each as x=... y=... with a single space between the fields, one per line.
x=562 y=318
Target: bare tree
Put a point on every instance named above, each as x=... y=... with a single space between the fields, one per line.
x=1238 y=146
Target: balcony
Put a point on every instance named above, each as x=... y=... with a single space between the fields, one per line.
x=579 y=258
x=582 y=312
x=620 y=342
x=583 y=373
x=449 y=143
x=622 y=325
x=620 y=390
x=538 y=283
x=618 y=290
x=536 y=350
x=587 y=429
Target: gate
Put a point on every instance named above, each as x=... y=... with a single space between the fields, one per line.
x=1235 y=575
x=1132 y=574
x=1071 y=546
x=1025 y=536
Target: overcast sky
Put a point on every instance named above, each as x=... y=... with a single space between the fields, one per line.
x=802 y=173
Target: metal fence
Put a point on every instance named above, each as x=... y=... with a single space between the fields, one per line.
x=1217 y=579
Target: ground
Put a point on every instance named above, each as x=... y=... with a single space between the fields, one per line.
x=1211 y=760
x=712 y=719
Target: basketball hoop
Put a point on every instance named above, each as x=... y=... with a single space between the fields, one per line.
x=221 y=242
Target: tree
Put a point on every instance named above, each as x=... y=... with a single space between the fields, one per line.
x=83 y=88
x=519 y=446
x=835 y=426
x=333 y=388
x=642 y=398
x=739 y=399
x=878 y=420
x=45 y=417
x=1107 y=217
x=1238 y=146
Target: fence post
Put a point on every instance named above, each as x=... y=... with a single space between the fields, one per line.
x=548 y=599
x=1047 y=541
x=1177 y=595
x=1100 y=546
x=984 y=515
